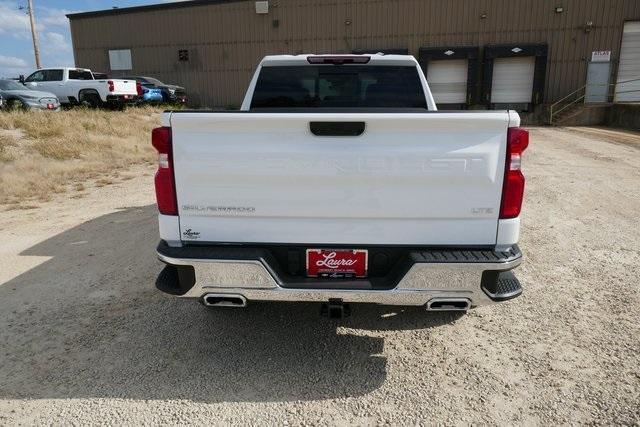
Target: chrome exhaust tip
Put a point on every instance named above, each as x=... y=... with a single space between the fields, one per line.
x=449 y=304
x=224 y=300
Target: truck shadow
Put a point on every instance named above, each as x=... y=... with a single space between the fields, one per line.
x=88 y=323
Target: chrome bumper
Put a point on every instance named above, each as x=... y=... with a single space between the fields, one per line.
x=256 y=281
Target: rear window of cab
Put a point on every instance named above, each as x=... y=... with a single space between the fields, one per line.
x=322 y=86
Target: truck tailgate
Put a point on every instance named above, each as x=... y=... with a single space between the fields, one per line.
x=432 y=178
x=124 y=87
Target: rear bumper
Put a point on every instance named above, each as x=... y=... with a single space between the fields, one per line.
x=481 y=276
x=122 y=99
x=177 y=98
x=43 y=104
x=151 y=98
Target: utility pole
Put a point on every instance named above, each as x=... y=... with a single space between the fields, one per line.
x=34 y=35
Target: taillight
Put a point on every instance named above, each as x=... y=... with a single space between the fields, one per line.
x=139 y=88
x=513 y=186
x=111 y=86
x=165 y=187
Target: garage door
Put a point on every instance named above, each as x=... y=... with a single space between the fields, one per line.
x=448 y=80
x=512 y=80
x=628 y=90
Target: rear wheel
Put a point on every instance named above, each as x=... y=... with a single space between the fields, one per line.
x=16 y=104
x=90 y=100
x=116 y=106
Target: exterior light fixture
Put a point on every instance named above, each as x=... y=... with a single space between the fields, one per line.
x=588 y=26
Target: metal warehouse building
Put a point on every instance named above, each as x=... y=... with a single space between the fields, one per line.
x=524 y=54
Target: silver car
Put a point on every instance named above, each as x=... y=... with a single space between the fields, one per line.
x=18 y=96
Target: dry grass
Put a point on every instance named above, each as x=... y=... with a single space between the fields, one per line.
x=6 y=143
x=43 y=153
x=103 y=181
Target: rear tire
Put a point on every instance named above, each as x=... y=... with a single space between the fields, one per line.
x=116 y=106
x=90 y=100
x=16 y=104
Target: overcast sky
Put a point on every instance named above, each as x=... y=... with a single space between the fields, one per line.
x=16 y=47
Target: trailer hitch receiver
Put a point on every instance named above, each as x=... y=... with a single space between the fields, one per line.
x=335 y=309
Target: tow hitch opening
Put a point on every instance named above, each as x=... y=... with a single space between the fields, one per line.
x=335 y=309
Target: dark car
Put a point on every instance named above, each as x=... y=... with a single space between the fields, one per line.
x=170 y=93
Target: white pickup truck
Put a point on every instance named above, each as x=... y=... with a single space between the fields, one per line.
x=340 y=182
x=78 y=86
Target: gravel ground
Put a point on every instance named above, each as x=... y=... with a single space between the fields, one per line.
x=85 y=337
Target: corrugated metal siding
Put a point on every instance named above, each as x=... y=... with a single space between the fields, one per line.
x=226 y=41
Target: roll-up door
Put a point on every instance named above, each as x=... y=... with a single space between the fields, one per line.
x=447 y=80
x=512 y=80
x=628 y=84
x=452 y=73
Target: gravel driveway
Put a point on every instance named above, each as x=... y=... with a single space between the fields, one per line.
x=86 y=338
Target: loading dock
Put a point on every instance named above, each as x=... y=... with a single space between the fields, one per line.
x=513 y=75
x=512 y=80
x=628 y=83
x=452 y=73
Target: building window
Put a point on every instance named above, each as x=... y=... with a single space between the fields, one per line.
x=120 y=59
x=183 y=55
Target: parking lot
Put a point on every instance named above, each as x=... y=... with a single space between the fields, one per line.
x=85 y=337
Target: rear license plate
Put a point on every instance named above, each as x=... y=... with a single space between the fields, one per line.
x=337 y=263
